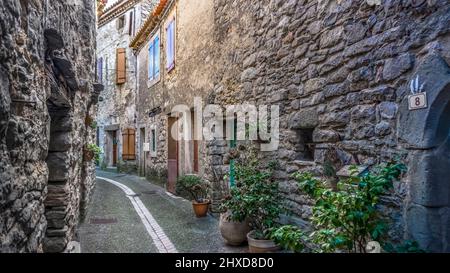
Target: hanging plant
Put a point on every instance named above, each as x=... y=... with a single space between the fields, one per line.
x=90 y=152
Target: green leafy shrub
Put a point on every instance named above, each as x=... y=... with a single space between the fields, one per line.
x=289 y=237
x=96 y=150
x=347 y=219
x=194 y=186
x=255 y=195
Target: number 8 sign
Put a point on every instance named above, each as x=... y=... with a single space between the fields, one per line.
x=417 y=101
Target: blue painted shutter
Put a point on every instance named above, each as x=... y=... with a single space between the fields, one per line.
x=150 y=62
x=157 y=54
x=170 y=44
x=168 y=50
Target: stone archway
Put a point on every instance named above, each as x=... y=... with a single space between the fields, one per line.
x=426 y=135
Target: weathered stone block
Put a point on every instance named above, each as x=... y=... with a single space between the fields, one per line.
x=387 y=110
x=332 y=37
x=314 y=85
x=54 y=244
x=383 y=128
x=395 y=67
x=321 y=136
x=60 y=142
x=304 y=119
x=429 y=227
x=58 y=166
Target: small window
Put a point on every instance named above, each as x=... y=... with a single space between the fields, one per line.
x=170 y=49
x=305 y=147
x=153 y=144
x=121 y=22
x=154 y=58
x=131 y=24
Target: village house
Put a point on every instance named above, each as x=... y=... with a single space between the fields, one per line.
x=116 y=69
x=342 y=73
x=173 y=49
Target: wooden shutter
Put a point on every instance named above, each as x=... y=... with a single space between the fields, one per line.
x=121 y=66
x=170 y=51
x=132 y=144
x=129 y=144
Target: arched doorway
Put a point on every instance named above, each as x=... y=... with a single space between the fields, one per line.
x=425 y=133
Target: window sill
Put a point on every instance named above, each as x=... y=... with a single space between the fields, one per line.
x=152 y=82
x=171 y=67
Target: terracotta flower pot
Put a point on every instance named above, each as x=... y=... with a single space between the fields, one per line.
x=234 y=233
x=88 y=155
x=200 y=209
x=260 y=246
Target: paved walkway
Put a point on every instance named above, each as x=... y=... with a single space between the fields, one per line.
x=129 y=214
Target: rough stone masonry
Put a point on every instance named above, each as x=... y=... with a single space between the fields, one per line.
x=341 y=73
x=48 y=93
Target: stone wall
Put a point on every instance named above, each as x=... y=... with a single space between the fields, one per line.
x=47 y=90
x=339 y=70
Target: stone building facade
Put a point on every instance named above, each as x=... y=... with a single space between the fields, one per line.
x=341 y=72
x=169 y=78
x=47 y=91
x=116 y=69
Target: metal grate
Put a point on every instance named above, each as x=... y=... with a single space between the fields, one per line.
x=102 y=221
x=149 y=192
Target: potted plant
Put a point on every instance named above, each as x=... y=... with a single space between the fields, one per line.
x=347 y=219
x=198 y=190
x=259 y=200
x=234 y=223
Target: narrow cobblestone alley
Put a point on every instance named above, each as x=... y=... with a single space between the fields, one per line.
x=194 y=126
x=113 y=225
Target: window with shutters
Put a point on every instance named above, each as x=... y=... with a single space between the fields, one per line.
x=121 y=66
x=153 y=142
x=171 y=45
x=128 y=144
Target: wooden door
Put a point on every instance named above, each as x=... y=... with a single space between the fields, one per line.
x=114 y=150
x=172 y=156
